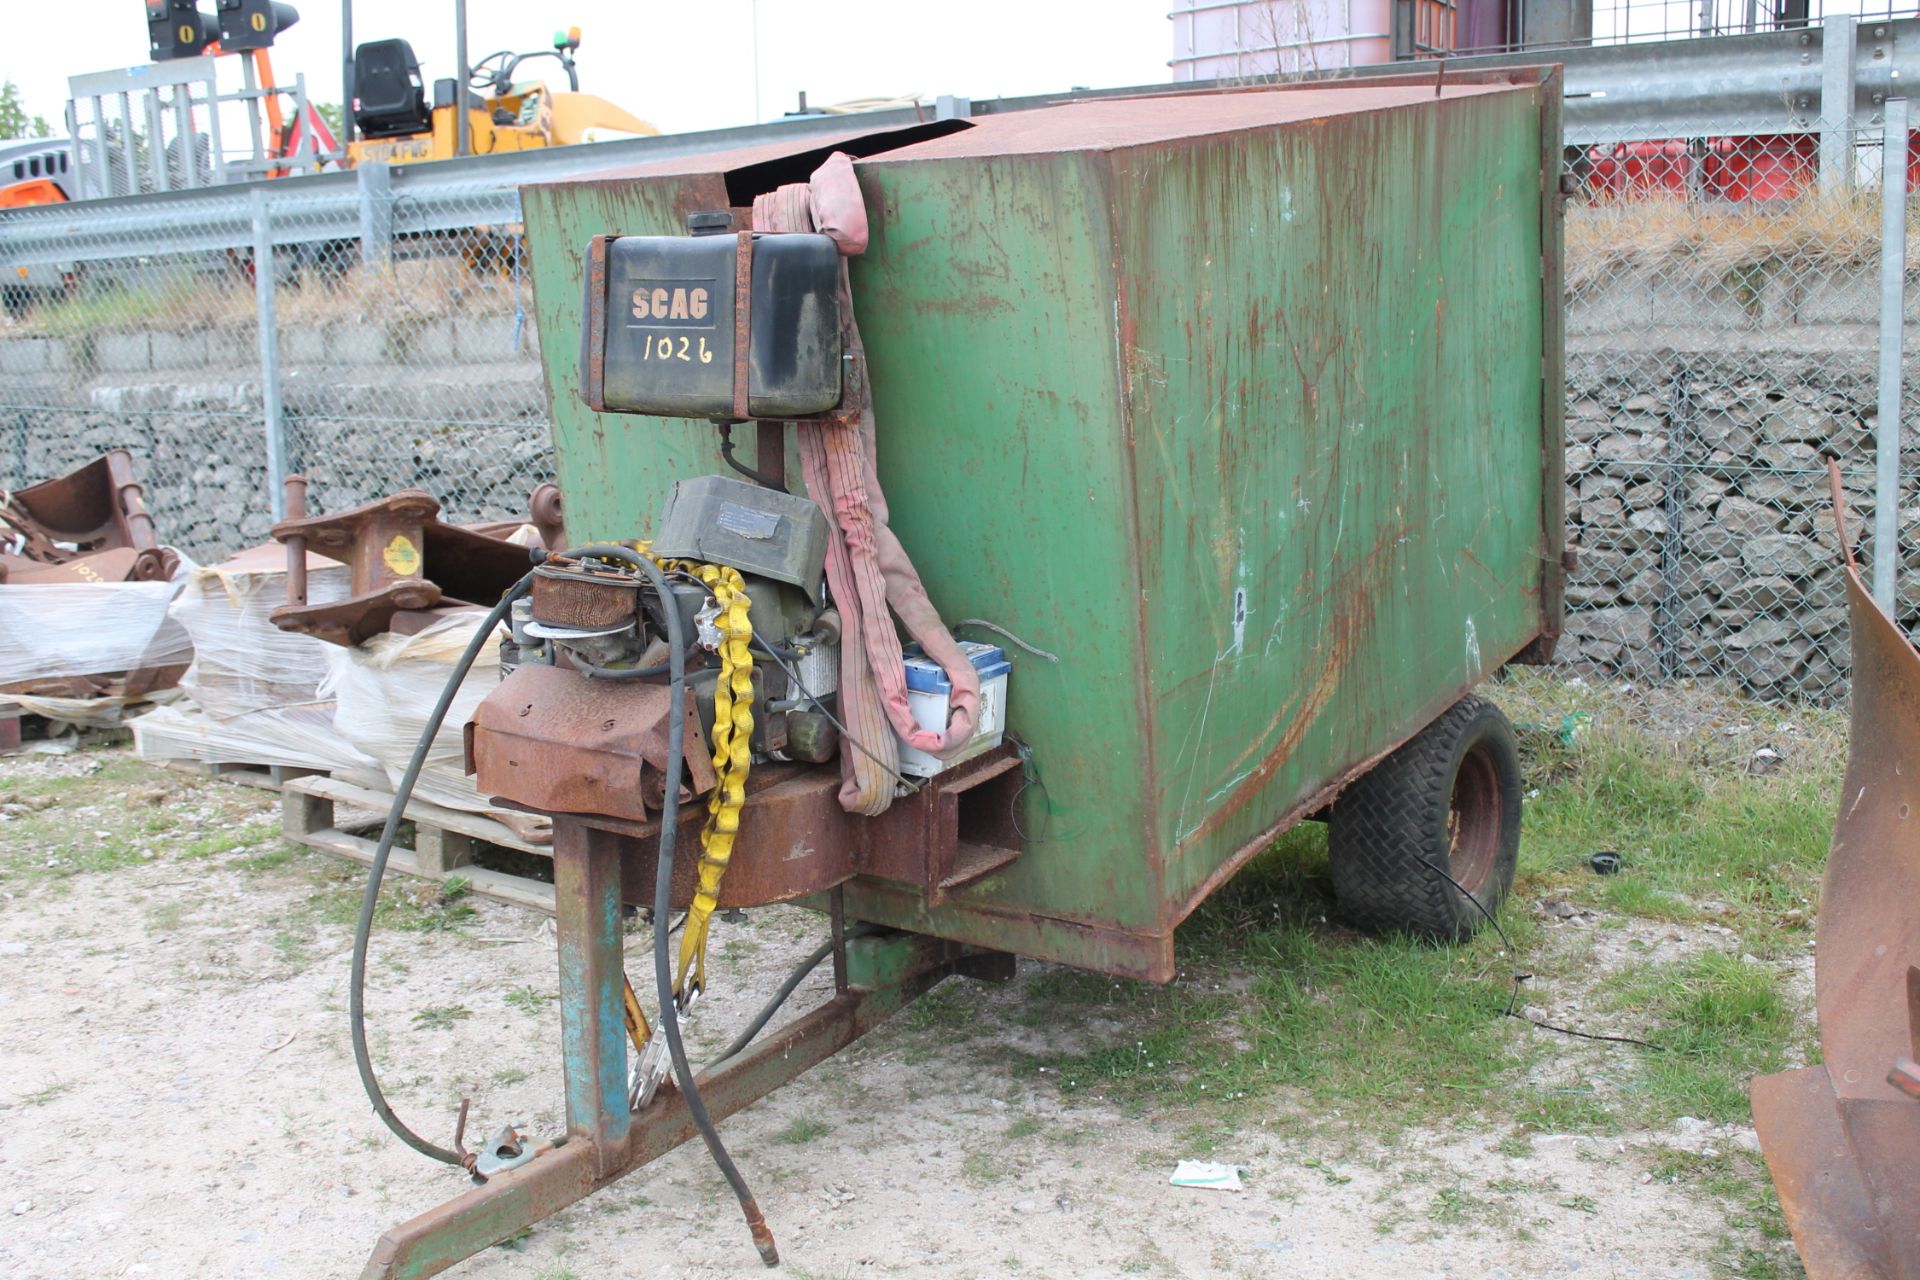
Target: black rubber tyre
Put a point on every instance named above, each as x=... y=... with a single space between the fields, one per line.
x=1450 y=798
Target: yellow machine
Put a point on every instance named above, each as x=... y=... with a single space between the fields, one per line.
x=396 y=124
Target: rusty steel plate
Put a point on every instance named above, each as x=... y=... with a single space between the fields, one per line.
x=1842 y=1141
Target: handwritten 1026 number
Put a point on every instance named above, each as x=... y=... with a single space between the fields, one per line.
x=667 y=347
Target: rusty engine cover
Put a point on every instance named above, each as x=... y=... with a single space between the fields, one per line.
x=567 y=593
x=554 y=741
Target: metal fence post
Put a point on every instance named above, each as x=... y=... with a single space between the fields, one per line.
x=1893 y=283
x=376 y=210
x=269 y=354
x=1836 y=101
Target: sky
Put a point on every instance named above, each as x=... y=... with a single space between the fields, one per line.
x=682 y=65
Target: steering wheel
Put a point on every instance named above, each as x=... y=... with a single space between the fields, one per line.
x=480 y=77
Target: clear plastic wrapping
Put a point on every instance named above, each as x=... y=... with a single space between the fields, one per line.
x=291 y=737
x=253 y=691
x=242 y=663
x=48 y=630
x=384 y=689
x=109 y=711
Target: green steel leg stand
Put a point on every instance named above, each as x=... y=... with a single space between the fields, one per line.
x=604 y=1142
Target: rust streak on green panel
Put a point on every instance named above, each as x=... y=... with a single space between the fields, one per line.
x=1327 y=332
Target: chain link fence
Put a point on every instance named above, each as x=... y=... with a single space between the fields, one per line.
x=1724 y=310
x=1723 y=328
x=408 y=361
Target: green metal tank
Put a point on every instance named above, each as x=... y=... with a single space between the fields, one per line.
x=1246 y=404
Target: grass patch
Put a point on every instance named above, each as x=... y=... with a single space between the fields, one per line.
x=99 y=818
x=528 y=999
x=947 y=1008
x=166 y=917
x=438 y=1017
x=1276 y=1000
x=1738 y=1180
x=1688 y=837
x=1699 y=835
x=1719 y=1019
x=46 y=1093
x=1275 y=997
x=335 y=890
x=802 y=1129
x=982 y=1168
x=275 y=857
x=1453 y=1205
x=254 y=833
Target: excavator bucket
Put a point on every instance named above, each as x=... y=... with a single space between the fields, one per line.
x=93 y=520
x=1842 y=1139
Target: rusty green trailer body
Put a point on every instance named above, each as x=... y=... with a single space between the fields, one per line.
x=1248 y=405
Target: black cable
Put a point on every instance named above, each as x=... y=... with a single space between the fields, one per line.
x=772 y=650
x=780 y=997
x=363 y=928
x=1513 y=998
x=607 y=551
x=592 y=672
x=833 y=720
x=676 y=924
x=663 y=910
x=726 y=455
x=1007 y=635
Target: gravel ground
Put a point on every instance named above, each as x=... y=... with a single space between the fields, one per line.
x=179 y=1099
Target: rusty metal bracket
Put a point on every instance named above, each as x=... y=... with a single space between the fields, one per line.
x=593 y=338
x=402 y=557
x=743 y=326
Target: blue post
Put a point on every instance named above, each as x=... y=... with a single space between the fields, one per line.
x=586 y=893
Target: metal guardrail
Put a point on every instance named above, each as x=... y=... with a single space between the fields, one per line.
x=442 y=195
x=1820 y=79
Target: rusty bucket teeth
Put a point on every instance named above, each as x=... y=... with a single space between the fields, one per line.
x=1842 y=1139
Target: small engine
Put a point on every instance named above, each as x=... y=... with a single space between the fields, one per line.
x=596 y=616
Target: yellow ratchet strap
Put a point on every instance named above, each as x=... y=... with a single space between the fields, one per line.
x=732 y=757
x=637 y=1029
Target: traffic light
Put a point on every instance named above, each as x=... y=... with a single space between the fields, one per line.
x=177 y=29
x=252 y=24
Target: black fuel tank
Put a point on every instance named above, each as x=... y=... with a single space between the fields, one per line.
x=660 y=319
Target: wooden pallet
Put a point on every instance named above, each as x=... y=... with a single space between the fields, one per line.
x=21 y=729
x=443 y=840
x=268 y=777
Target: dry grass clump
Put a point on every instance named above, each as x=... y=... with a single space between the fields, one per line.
x=1663 y=232
x=417 y=288
x=318 y=286
x=1705 y=722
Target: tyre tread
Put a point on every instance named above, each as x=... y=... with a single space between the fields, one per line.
x=1385 y=839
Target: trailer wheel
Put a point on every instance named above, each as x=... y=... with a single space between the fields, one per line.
x=1449 y=798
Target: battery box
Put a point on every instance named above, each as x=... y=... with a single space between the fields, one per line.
x=930 y=695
